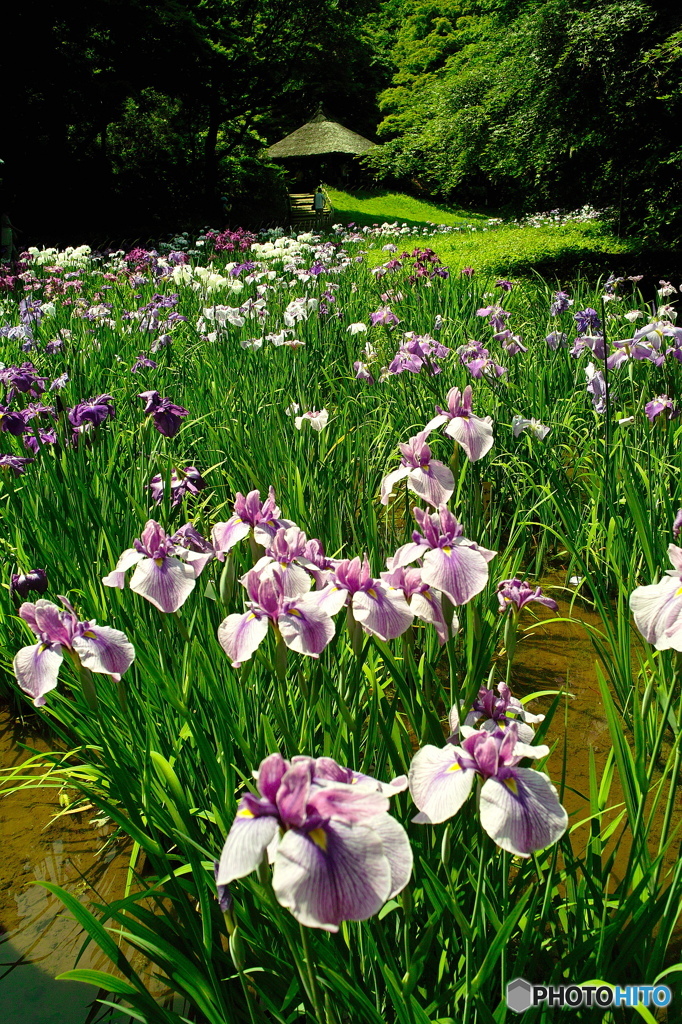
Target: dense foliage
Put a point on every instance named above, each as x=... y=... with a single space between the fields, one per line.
x=539 y=104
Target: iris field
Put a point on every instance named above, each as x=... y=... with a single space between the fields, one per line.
x=276 y=517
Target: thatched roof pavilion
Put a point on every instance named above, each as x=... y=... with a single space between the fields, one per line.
x=319 y=137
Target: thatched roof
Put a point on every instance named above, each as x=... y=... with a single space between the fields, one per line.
x=319 y=136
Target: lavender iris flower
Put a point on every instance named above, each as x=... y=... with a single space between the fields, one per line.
x=519 y=807
x=383 y=317
x=428 y=478
x=22 y=583
x=560 y=304
x=516 y=594
x=452 y=564
x=424 y=602
x=497 y=316
x=301 y=621
x=252 y=517
x=587 y=320
x=555 y=340
x=286 y=553
x=378 y=607
x=160 y=576
x=658 y=608
x=141 y=362
x=490 y=712
x=472 y=433
x=658 y=406
x=182 y=482
x=362 y=371
x=596 y=387
x=97 y=648
x=337 y=854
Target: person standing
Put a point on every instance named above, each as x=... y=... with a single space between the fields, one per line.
x=318 y=200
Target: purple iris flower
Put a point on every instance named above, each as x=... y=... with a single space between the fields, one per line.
x=23 y=378
x=657 y=609
x=484 y=366
x=659 y=405
x=141 y=362
x=472 y=433
x=511 y=343
x=337 y=854
x=22 y=583
x=34 y=443
x=430 y=479
x=587 y=320
x=424 y=602
x=97 y=648
x=193 y=548
x=92 y=413
x=182 y=482
x=490 y=712
x=12 y=421
x=516 y=594
x=557 y=339
x=560 y=304
x=468 y=271
x=519 y=807
x=260 y=519
x=167 y=416
x=160 y=576
x=379 y=608
x=59 y=382
x=452 y=564
x=300 y=621
x=383 y=317
x=497 y=316
x=506 y=286
x=14 y=462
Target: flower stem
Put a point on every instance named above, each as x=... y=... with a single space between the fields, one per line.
x=315 y=993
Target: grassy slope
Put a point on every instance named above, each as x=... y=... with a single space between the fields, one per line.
x=499 y=249
x=368 y=208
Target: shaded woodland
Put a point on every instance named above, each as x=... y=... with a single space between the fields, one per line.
x=128 y=118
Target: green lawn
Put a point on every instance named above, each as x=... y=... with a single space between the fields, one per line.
x=368 y=208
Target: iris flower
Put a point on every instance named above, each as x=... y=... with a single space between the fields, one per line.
x=658 y=608
x=519 y=807
x=97 y=648
x=161 y=576
x=428 y=478
x=337 y=854
x=472 y=433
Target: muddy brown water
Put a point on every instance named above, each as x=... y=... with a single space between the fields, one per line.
x=38 y=937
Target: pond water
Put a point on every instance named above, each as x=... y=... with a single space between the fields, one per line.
x=38 y=937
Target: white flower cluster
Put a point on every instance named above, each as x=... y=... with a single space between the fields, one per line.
x=69 y=257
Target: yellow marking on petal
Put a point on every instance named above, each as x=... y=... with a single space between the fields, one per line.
x=319 y=837
x=90 y=634
x=455 y=766
x=678 y=592
x=512 y=785
x=245 y=813
x=158 y=561
x=372 y=593
x=446 y=551
x=295 y=611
